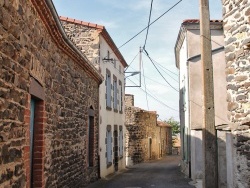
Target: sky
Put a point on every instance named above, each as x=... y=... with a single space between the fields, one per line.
x=123 y=19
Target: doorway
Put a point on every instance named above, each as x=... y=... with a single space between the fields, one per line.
x=150 y=148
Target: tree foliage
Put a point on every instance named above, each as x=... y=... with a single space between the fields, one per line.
x=175 y=126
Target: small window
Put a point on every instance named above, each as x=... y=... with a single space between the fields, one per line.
x=114 y=63
x=108 y=55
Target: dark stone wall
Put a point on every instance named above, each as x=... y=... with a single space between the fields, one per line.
x=27 y=50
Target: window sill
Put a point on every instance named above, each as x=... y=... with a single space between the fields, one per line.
x=109 y=164
x=108 y=108
x=115 y=110
x=121 y=112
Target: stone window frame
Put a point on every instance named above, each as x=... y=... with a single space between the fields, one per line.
x=108 y=95
x=108 y=142
x=35 y=167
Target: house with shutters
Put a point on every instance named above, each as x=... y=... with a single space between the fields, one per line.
x=49 y=101
x=94 y=41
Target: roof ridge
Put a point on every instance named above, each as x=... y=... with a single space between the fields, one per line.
x=198 y=21
x=80 y=22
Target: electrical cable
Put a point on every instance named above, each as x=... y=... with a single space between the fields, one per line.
x=131 y=62
x=161 y=67
x=152 y=80
x=150 y=24
x=145 y=85
x=158 y=70
x=155 y=98
x=165 y=68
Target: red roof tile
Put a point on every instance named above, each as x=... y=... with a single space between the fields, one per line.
x=104 y=33
x=198 y=21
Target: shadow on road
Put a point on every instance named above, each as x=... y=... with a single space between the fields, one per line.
x=162 y=173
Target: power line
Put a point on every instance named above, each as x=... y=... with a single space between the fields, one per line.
x=131 y=61
x=145 y=85
x=159 y=71
x=155 y=98
x=148 y=23
x=164 y=70
x=151 y=23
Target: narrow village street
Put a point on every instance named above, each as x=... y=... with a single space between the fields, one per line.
x=157 y=174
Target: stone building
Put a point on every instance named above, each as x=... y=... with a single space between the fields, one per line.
x=236 y=18
x=145 y=139
x=49 y=101
x=188 y=61
x=94 y=41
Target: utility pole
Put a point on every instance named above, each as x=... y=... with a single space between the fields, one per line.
x=209 y=137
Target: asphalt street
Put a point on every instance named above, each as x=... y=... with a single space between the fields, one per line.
x=163 y=173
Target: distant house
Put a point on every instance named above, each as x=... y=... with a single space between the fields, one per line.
x=188 y=61
x=167 y=138
x=145 y=138
x=94 y=41
x=237 y=48
x=49 y=101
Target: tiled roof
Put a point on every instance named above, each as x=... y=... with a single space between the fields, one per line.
x=71 y=20
x=104 y=33
x=163 y=124
x=198 y=21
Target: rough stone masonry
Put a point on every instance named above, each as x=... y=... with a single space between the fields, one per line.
x=37 y=62
x=236 y=16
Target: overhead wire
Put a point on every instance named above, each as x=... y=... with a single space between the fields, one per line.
x=150 y=24
x=155 y=98
x=161 y=67
x=151 y=6
x=165 y=68
x=145 y=84
x=131 y=62
x=159 y=71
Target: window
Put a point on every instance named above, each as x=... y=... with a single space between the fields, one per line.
x=120 y=96
x=108 y=55
x=91 y=137
x=120 y=69
x=114 y=63
x=108 y=89
x=120 y=141
x=115 y=93
x=109 y=145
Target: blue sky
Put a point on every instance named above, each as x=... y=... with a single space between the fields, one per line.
x=124 y=19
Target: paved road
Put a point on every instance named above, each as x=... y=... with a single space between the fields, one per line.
x=163 y=173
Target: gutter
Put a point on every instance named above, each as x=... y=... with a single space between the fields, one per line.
x=68 y=41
